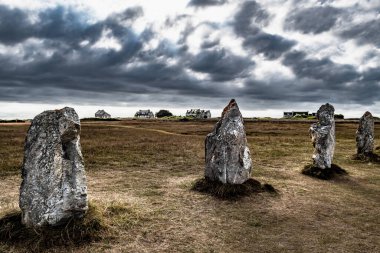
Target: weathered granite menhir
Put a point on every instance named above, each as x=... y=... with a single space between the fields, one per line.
x=228 y=159
x=365 y=135
x=54 y=188
x=323 y=137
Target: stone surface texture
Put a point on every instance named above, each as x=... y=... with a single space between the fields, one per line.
x=228 y=159
x=54 y=188
x=323 y=137
x=365 y=135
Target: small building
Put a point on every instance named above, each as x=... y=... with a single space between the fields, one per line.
x=296 y=114
x=101 y=114
x=148 y=114
x=198 y=114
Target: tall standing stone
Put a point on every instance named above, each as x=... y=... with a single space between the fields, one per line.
x=228 y=159
x=54 y=188
x=323 y=137
x=365 y=135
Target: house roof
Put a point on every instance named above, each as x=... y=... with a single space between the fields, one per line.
x=102 y=112
x=144 y=112
x=197 y=111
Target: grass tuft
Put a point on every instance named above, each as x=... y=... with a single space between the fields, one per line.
x=231 y=191
x=325 y=174
x=74 y=233
x=123 y=216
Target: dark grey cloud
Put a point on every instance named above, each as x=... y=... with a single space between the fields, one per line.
x=364 y=33
x=311 y=90
x=60 y=62
x=14 y=25
x=203 y=3
x=246 y=25
x=271 y=46
x=325 y=79
x=74 y=67
x=290 y=89
x=317 y=80
x=332 y=74
x=312 y=20
x=372 y=75
x=249 y=16
x=222 y=65
x=60 y=23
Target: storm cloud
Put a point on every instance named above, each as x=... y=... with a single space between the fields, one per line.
x=220 y=64
x=246 y=25
x=312 y=20
x=364 y=33
x=332 y=74
x=274 y=52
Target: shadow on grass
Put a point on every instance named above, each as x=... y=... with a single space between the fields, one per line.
x=231 y=191
x=75 y=233
x=325 y=174
x=369 y=157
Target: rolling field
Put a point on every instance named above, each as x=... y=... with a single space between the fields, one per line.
x=140 y=174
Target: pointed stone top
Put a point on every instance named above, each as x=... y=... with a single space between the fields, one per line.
x=367 y=114
x=325 y=114
x=232 y=109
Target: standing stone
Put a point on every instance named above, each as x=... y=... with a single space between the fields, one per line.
x=228 y=159
x=323 y=137
x=54 y=188
x=365 y=135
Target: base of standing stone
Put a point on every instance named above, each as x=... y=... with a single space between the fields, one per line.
x=231 y=191
x=75 y=232
x=324 y=174
x=369 y=157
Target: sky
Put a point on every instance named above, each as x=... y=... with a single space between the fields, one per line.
x=121 y=56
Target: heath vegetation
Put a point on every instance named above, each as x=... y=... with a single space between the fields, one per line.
x=140 y=176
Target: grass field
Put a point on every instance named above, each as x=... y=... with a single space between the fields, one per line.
x=140 y=173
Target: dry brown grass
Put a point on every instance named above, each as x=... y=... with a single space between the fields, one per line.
x=140 y=173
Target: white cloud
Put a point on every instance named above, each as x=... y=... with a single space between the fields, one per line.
x=266 y=70
x=107 y=41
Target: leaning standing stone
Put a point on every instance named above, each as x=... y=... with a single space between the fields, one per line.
x=54 y=188
x=228 y=158
x=365 y=135
x=323 y=137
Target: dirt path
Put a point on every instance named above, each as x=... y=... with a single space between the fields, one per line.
x=160 y=131
x=154 y=130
